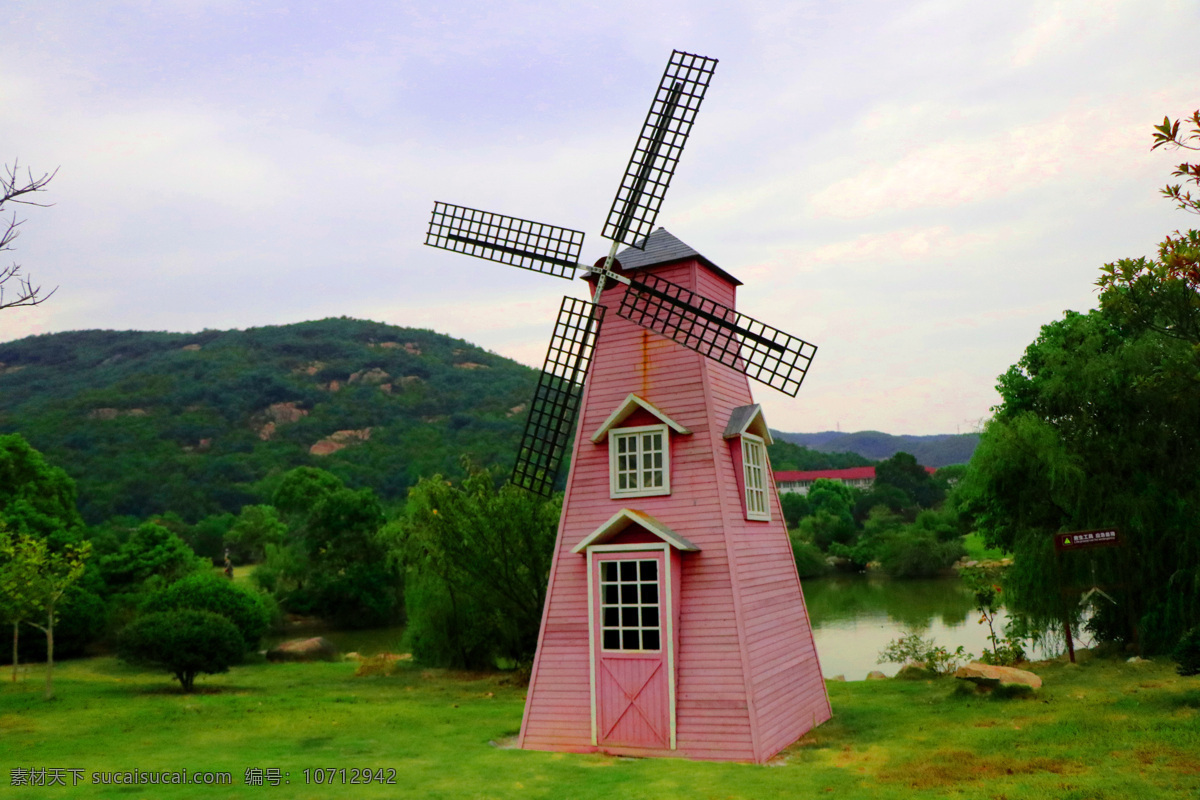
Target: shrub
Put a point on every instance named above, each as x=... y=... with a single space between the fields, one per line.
x=478 y=560
x=1187 y=653
x=208 y=592
x=810 y=561
x=184 y=643
x=912 y=647
x=917 y=554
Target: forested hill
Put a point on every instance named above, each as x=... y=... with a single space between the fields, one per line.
x=938 y=450
x=193 y=423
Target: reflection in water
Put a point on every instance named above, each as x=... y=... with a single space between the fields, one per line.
x=853 y=617
x=856 y=616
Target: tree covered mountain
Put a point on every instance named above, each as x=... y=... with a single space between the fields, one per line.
x=150 y=422
x=937 y=450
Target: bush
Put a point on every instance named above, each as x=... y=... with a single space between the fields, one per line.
x=1187 y=653
x=208 y=592
x=478 y=559
x=810 y=561
x=912 y=648
x=917 y=554
x=184 y=643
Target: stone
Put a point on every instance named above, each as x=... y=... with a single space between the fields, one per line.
x=915 y=671
x=839 y=678
x=318 y=648
x=989 y=675
x=1137 y=660
x=876 y=675
x=190 y=347
x=470 y=365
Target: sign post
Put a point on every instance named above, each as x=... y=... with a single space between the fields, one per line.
x=1079 y=540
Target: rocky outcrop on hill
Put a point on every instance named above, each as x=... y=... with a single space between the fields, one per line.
x=339 y=441
x=369 y=376
x=267 y=421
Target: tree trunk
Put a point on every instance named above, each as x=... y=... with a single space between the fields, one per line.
x=50 y=652
x=16 y=624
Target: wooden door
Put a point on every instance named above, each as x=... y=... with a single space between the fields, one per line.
x=633 y=707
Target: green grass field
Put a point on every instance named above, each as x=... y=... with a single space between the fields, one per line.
x=1105 y=729
x=978 y=551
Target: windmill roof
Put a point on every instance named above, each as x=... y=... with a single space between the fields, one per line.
x=662 y=247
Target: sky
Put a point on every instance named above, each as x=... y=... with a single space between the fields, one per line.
x=915 y=187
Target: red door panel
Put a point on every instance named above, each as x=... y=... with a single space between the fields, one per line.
x=633 y=707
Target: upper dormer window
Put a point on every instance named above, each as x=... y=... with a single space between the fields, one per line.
x=639 y=461
x=639 y=455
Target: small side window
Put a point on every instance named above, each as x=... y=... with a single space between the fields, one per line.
x=754 y=469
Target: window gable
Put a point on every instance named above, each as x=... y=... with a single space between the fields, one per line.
x=639 y=461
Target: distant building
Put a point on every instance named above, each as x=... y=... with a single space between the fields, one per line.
x=801 y=481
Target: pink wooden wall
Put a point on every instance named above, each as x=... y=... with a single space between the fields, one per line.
x=748 y=679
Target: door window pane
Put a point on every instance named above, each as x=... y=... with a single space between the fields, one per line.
x=629 y=611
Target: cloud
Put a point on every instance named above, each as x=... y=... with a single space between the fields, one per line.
x=967 y=170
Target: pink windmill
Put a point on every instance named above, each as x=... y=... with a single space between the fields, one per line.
x=675 y=624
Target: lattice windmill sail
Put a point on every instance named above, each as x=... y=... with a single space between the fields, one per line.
x=710 y=328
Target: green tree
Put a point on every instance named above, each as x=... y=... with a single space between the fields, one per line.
x=15 y=605
x=35 y=497
x=478 y=560
x=183 y=642
x=795 y=507
x=1097 y=428
x=205 y=591
x=831 y=519
x=36 y=578
x=152 y=554
x=351 y=581
x=301 y=489
x=255 y=528
x=904 y=473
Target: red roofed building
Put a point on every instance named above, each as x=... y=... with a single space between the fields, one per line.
x=798 y=480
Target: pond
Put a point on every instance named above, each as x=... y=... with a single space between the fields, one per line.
x=856 y=616
x=853 y=616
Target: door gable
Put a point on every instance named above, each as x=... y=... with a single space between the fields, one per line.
x=625 y=519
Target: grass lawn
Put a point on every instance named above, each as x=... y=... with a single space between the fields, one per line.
x=978 y=551
x=1105 y=729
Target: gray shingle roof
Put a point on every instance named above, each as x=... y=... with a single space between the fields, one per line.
x=663 y=248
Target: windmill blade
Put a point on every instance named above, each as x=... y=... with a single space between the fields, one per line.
x=766 y=354
x=658 y=148
x=558 y=395
x=509 y=240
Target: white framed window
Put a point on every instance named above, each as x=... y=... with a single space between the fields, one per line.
x=754 y=472
x=639 y=461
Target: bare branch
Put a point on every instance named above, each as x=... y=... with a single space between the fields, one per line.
x=27 y=294
x=20 y=190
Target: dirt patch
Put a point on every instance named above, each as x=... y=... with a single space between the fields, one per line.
x=949 y=767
